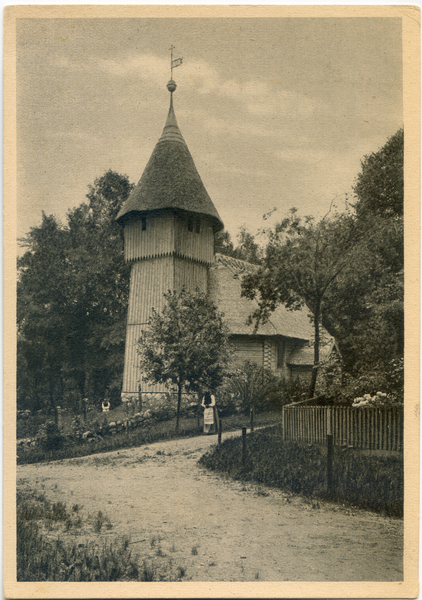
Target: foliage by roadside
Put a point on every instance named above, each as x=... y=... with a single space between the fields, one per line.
x=369 y=480
x=40 y=558
x=164 y=430
x=250 y=386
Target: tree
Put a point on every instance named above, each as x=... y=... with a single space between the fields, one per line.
x=380 y=185
x=302 y=261
x=247 y=249
x=223 y=243
x=72 y=300
x=347 y=269
x=186 y=345
x=367 y=313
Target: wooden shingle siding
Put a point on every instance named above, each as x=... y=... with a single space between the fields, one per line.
x=248 y=349
x=156 y=240
x=149 y=281
x=167 y=234
x=132 y=376
x=190 y=244
x=131 y=372
x=190 y=275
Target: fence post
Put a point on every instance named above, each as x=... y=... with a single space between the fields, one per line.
x=243 y=445
x=198 y=412
x=283 y=435
x=85 y=408
x=220 y=427
x=329 y=451
x=58 y=415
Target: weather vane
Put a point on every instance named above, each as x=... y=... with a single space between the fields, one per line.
x=174 y=63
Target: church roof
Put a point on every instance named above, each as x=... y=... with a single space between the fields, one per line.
x=225 y=291
x=170 y=179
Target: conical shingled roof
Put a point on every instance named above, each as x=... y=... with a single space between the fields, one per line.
x=170 y=180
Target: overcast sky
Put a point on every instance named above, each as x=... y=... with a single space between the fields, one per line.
x=276 y=112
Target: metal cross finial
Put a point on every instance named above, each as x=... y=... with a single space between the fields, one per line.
x=174 y=63
x=171 y=61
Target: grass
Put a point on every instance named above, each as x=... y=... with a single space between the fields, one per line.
x=181 y=571
x=164 y=430
x=362 y=479
x=42 y=559
x=57 y=544
x=100 y=520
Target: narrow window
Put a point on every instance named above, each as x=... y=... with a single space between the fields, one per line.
x=190 y=224
x=198 y=226
x=144 y=223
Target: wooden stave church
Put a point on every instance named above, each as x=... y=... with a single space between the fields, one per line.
x=169 y=225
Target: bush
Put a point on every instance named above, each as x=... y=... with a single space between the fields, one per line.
x=250 y=386
x=367 y=480
x=293 y=390
x=50 y=437
x=149 y=432
x=342 y=388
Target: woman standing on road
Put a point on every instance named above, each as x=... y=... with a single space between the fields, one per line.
x=210 y=413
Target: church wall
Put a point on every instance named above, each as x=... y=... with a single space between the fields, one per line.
x=190 y=275
x=157 y=239
x=132 y=374
x=197 y=244
x=248 y=348
x=282 y=347
x=166 y=233
x=149 y=281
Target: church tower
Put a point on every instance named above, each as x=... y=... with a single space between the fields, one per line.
x=169 y=224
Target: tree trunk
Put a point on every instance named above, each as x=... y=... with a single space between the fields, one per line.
x=316 y=351
x=179 y=400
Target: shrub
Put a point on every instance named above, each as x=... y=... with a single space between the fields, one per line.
x=368 y=480
x=78 y=426
x=342 y=388
x=250 y=386
x=42 y=560
x=149 y=432
x=50 y=437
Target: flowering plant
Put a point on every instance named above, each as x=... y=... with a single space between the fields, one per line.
x=380 y=400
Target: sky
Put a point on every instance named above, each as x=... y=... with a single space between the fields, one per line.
x=276 y=112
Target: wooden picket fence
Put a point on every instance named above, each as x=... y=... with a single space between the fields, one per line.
x=369 y=428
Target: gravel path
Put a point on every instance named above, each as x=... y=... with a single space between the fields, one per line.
x=215 y=529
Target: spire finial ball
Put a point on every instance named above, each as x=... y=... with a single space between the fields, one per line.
x=171 y=86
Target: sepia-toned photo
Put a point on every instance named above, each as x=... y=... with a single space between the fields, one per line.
x=212 y=252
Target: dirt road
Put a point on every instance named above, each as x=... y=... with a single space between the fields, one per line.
x=212 y=529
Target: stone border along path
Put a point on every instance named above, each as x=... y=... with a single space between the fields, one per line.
x=179 y=514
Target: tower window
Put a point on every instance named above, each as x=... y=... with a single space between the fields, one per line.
x=144 y=223
x=198 y=226
x=190 y=224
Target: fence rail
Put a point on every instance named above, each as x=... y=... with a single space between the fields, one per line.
x=369 y=428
